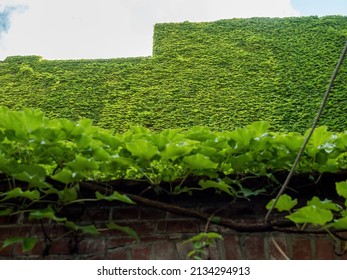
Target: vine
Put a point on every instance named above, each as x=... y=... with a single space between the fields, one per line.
x=47 y=165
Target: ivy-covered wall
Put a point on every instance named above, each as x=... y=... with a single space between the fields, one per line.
x=221 y=74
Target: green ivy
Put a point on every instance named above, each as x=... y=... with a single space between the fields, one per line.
x=223 y=75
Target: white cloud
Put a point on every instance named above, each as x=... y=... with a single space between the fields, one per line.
x=114 y=28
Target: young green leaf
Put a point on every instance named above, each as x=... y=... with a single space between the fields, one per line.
x=325 y=204
x=199 y=161
x=341 y=188
x=221 y=185
x=18 y=192
x=27 y=242
x=67 y=176
x=340 y=223
x=142 y=149
x=284 y=203
x=115 y=196
x=45 y=213
x=89 y=229
x=127 y=230
x=312 y=215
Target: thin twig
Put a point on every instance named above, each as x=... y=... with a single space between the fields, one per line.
x=279 y=249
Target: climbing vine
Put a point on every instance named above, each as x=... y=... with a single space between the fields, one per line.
x=47 y=165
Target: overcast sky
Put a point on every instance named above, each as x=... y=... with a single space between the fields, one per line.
x=73 y=29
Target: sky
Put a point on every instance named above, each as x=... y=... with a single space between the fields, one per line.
x=88 y=29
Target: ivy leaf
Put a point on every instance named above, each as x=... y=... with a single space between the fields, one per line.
x=222 y=186
x=127 y=230
x=6 y=211
x=18 y=192
x=325 y=204
x=82 y=164
x=340 y=223
x=89 y=229
x=284 y=203
x=68 y=194
x=174 y=150
x=312 y=215
x=199 y=161
x=67 y=176
x=115 y=196
x=142 y=148
x=47 y=213
x=341 y=188
x=246 y=192
x=27 y=242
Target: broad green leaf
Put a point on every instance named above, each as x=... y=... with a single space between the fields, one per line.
x=284 y=203
x=200 y=133
x=18 y=193
x=27 y=242
x=115 y=196
x=340 y=223
x=341 y=188
x=67 y=176
x=199 y=161
x=311 y=215
x=325 y=204
x=221 y=186
x=47 y=213
x=80 y=164
x=127 y=230
x=178 y=149
x=68 y=194
x=142 y=149
x=319 y=140
x=110 y=140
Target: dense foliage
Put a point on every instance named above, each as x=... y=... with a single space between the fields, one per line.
x=223 y=75
x=45 y=163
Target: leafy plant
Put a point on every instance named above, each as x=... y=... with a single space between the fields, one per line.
x=201 y=244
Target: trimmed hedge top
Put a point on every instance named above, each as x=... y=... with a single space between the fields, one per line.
x=222 y=74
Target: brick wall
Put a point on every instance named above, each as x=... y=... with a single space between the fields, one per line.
x=162 y=235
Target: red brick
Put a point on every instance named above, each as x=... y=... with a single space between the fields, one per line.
x=91 y=246
x=183 y=248
x=116 y=242
x=54 y=231
x=301 y=248
x=153 y=214
x=254 y=246
x=274 y=253
x=97 y=214
x=117 y=254
x=232 y=248
x=178 y=226
x=213 y=252
x=8 y=220
x=7 y=251
x=324 y=249
x=164 y=251
x=142 y=228
x=61 y=247
x=126 y=213
x=141 y=253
